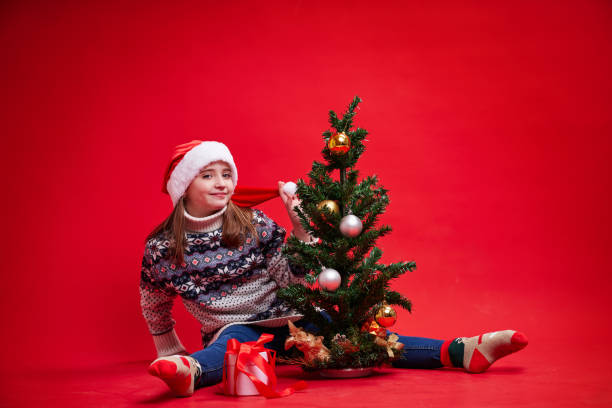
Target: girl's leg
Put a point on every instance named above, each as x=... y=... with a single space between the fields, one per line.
x=474 y=354
x=178 y=372
x=211 y=358
x=184 y=374
x=419 y=352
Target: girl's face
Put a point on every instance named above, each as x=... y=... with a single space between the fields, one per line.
x=210 y=191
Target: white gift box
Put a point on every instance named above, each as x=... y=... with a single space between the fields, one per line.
x=241 y=385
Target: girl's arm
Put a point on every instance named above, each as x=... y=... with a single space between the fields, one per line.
x=272 y=238
x=290 y=203
x=156 y=307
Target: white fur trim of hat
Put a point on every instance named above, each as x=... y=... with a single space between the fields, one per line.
x=192 y=163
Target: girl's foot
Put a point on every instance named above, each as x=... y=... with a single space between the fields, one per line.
x=180 y=373
x=476 y=354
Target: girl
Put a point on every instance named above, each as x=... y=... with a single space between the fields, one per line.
x=226 y=264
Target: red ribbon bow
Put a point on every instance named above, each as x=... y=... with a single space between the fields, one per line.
x=248 y=353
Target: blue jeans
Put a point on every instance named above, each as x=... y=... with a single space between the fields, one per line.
x=418 y=352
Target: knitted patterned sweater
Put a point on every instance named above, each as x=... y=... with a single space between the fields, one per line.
x=219 y=286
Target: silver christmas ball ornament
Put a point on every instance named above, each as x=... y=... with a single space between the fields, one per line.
x=329 y=279
x=350 y=226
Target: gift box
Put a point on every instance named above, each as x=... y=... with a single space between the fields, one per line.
x=249 y=369
x=238 y=382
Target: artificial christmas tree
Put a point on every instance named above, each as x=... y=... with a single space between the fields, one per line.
x=350 y=309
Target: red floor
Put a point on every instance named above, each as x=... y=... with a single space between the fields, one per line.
x=548 y=373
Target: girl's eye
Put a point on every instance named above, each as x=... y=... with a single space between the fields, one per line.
x=206 y=176
x=227 y=175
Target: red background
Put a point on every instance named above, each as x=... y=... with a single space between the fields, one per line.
x=490 y=125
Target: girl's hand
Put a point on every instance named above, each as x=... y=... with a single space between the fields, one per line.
x=291 y=201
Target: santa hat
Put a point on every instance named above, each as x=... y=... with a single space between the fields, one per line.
x=187 y=162
x=190 y=158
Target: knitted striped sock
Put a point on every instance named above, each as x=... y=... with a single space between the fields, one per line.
x=180 y=373
x=476 y=354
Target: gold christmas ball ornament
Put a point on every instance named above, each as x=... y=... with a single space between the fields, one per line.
x=331 y=206
x=386 y=315
x=339 y=143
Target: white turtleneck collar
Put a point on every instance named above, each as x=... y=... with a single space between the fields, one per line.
x=204 y=224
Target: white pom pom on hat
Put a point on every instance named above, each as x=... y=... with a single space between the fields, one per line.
x=187 y=162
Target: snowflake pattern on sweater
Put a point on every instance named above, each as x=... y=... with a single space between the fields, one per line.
x=218 y=285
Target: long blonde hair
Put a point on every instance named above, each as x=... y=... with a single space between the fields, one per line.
x=236 y=226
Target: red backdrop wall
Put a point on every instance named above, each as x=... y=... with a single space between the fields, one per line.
x=490 y=126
